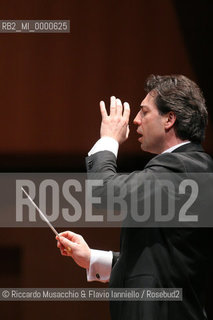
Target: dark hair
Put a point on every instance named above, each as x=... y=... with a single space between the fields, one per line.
x=181 y=95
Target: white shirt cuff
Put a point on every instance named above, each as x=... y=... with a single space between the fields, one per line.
x=100 y=266
x=105 y=144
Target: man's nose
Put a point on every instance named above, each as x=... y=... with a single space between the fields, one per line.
x=137 y=121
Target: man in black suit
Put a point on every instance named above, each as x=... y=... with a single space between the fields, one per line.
x=171 y=123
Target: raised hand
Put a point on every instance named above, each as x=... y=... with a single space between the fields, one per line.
x=116 y=124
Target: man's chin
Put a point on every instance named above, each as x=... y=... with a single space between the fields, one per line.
x=147 y=149
x=143 y=147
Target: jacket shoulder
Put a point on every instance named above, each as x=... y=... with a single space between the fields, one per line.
x=182 y=162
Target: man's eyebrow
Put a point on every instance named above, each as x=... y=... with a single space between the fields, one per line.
x=143 y=106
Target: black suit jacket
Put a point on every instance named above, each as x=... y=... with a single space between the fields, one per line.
x=160 y=257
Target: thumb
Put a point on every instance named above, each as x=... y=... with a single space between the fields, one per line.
x=66 y=243
x=127 y=131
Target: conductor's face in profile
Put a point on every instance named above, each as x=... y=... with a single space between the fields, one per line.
x=155 y=128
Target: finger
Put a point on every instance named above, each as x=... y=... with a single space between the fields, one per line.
x=69 y=235
x=64 y=253
x=61 y=247
x=67 y=243
x=112 y=106
x=127 y=132
x=119 y=107
x=59 y=244
x=103 y=110
x=63 y=234
x=126 y=112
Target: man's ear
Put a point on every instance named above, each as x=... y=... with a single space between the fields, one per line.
x=170 y=119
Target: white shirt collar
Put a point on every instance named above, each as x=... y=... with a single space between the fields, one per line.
x=176 y=146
